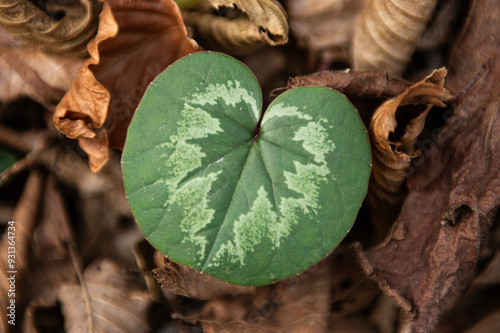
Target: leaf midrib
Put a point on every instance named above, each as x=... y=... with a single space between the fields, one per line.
x=212 y=247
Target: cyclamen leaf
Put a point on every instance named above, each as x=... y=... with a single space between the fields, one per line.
x=248 y=203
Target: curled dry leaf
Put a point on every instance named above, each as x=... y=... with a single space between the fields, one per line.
x=101 y=102
x=392 y=156
x=233 y=35
x=453 y=196
x=324 y=27
x=104 y=302
x=267 y=15
x=41 y=31
x=387 y=33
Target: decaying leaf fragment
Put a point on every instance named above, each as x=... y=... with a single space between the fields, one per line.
x=104 y=302
x=393 y=147
x=297 y=305
x=67 y=35
x=264 y=22
x=354 y=83
x=309 y=302
x=135 y=41
x=387 y=33
x=268 y=15
x=453 y=197
x=233 y=35
x=186 y=281
x=391 y=158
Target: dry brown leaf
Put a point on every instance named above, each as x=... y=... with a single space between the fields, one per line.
x=335 y=286
x=324 y=27
x=267 y=15
x=440 y=30
x=232 y=35
x=391 y=157
x=479 y=301
x=109 y=226
x=434 y=246
x=39 y=30
x=351 y=290
x=351 y=83
x=33 y=73
x=387 y=33
x=102 y=100
x=104 y=302
x=350 y=324
x=41 y=237
x=297 y=305
x=25 y=217
x=183 y=280
x=490 y=323
x=50 y=261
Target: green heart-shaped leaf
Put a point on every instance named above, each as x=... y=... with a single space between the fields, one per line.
x=247 y=202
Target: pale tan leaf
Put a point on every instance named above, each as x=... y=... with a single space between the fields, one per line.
x=387 y=33
x=104 y=302
x=233 y=35
x=268 y=15
x=35 y=74
x=41 y=31
x=324 y=27
x=103 y=98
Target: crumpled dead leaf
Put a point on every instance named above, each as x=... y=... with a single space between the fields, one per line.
x=387 y=32
x=36 y=28
x=354 y=83
x=324 y=27
x=297 y=305
x=183 y=280
x=268 y=15
x=254 y=23
x=391 y=156
x=104 y=302
x=453 y=197
x=101 y=102
x=336 y=286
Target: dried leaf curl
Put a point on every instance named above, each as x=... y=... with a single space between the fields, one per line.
x=101 y=102
x=391 y=158
x=39 y=30
x=267 y=15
